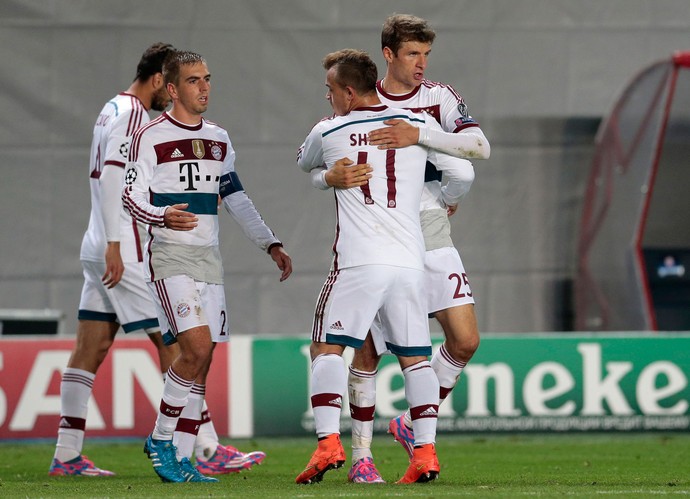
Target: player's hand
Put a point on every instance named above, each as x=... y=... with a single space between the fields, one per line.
x=114 y=268
x=342 y=175
x=176 y=218
x=397 y=134
x=283 y=260
x=451 y=209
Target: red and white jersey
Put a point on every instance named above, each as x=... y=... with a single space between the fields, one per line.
x=118 y=120
x=439 y=100
x=448 y=108
x=172 y=163
x=377 y=223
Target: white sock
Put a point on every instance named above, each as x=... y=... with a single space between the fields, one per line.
x=175 y=394
x=447 y=371
x=75 y=389
x=189 y=422
x=207 y=439
x=328 y=384
x=362 y=391
x=421 y=392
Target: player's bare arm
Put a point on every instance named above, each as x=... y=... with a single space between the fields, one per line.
x=344 y=174
x=283 y=261
x=176 y=218
x=451 y=209
x=114 y=268
x=398 y=133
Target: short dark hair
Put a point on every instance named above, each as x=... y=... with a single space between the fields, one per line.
x=400 y=28
x=151 y=61
x=171 y=67
x=354 y=68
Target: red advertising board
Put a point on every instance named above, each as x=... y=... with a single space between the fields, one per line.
x=126 y=392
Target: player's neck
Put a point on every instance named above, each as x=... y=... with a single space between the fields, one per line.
x=139 y=90
x=395 y=87
x=184 y=116
x=368 y=100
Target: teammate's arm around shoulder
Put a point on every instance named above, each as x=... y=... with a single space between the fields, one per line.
x=468 y=143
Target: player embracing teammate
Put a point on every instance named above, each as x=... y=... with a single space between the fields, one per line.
x=406 y=44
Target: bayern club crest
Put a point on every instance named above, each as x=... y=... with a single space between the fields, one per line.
x=183 y=309
x=216 y=152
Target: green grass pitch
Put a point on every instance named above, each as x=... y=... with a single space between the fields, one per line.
x=584 y=465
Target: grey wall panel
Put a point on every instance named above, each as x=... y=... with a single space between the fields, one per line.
x=530 y=71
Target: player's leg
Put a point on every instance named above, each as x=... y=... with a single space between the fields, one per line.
x=195 y=347
x=345 y=309
x=95 y=333
x=327 y=389
x=135 y=306
x=451 y=301
x=420 y=386
x=459 y=326
x=462 y=340
x=192 y=333
x=361 y=383
x=166 y=353
x=212 y=457
x=93 y=340
x=188 y=426
x=405 y=327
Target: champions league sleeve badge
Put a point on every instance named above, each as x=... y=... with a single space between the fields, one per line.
x=130 y=176
x=124 y=149
x=462 y=109
x=464 y=118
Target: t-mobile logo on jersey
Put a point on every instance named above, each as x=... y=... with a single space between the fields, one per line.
x=190 y=175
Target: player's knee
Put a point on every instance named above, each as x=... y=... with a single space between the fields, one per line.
x=462 y=348
x=365 y=360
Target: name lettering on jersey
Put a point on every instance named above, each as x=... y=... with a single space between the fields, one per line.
x=102 y=120
x=358 y=139
x=198 y=148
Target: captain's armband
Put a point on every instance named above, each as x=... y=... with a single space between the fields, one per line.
x=229 y=184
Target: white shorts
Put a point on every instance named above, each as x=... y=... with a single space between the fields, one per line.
x=183 y=303
x=445 y=280
x=129 y=303
x=351 y=298
x=446 y=287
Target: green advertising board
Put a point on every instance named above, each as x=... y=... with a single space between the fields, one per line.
x=514 y=383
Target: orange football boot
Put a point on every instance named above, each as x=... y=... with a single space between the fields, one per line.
x=328 y=455
x=423 y=465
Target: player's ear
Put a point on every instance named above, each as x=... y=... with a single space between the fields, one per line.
x=388 y=54
x=170 y=87
x=157 y=80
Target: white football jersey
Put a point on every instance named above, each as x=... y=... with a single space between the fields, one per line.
x=448 y=108
x=377 y=223
x=172 y=163
x=116 y=123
